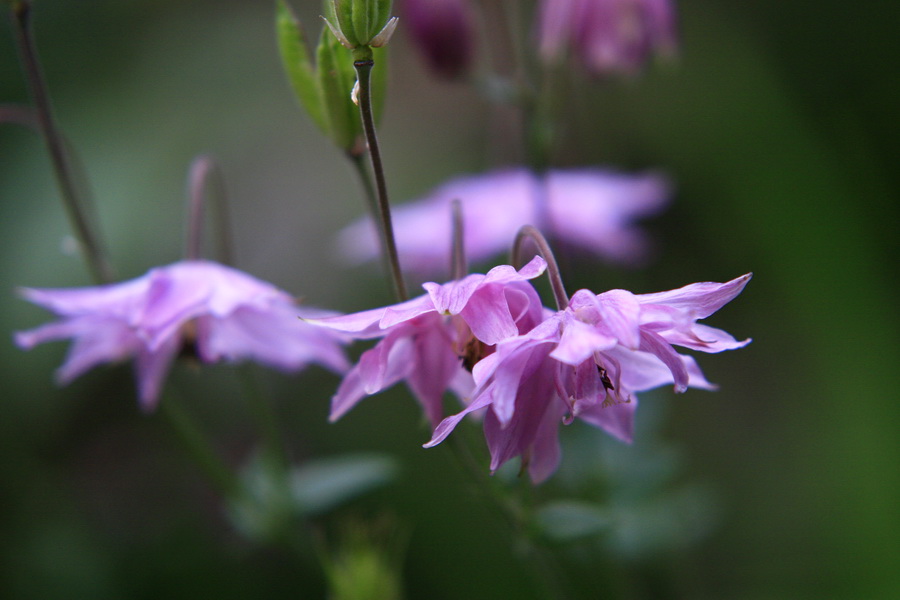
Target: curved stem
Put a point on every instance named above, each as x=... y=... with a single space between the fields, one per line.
x=363 y=66
x=206 y=178
x=529 y=232
x=98 y=265
x=458 y=266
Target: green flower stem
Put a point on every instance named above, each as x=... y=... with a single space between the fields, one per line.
x=529 y=232
x=200 y=450
x=363 y=64
x=538 y=127
x=359 y=164
x=517 y=519
x=294 y=533
x=98 y=265
x=266 y=421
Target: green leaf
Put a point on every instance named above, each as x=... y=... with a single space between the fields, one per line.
x=299 y=69
x=336 y=77
x=319 y=486
x=568 y=520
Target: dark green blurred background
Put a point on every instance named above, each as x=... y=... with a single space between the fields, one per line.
x=778 y=126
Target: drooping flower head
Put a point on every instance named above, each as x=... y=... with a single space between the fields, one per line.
x=587 y=361
x=589 y=209
x=444 y=32
x=433 y=341
x=607 y=36
x=217 y=311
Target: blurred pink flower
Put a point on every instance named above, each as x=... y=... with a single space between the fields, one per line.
x=586 y=208
x=586 y=362
x=444 y=30
x=432 y=341
x=607 y=35
x=220 y=312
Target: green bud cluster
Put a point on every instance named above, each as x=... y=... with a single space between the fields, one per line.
x=358 y=23
x=324 y=87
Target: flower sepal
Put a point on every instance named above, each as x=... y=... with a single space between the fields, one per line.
x=358 y=23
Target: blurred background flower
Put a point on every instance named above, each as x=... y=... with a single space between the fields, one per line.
x=591 y=210
x=444 y=31
x=778 y=140
x=607 y=36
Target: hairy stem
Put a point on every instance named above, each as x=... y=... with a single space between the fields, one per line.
x=363 y=65
x=98 y=265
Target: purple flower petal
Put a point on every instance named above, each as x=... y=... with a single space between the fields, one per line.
x=447 y=426
x=607 y=36
x=586 y=362
x=699 y=299
x=152 y=367
x=585 y=208
x=229 y=314
x=579 y=341
x=616 y=420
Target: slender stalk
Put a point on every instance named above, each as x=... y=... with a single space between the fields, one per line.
x=266 y=421
x=458 y=266
x=227 y=482
x=98 y=265
x=363 y=64
x=205 y=179
x=529 y=232
x=359 y=163
x=200 y=450
x=516 y=518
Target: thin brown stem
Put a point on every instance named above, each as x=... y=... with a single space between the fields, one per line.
x=363 y=68
x=75 y=207
x=529 y=232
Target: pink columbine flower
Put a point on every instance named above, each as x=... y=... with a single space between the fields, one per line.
x=587 y=362
x=218 y=311
x=433 y=341
x=607 y=35
x=590 y=209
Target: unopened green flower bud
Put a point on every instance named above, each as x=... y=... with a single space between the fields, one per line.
x=366 y=563
x=324 y=86
x=357 y=23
